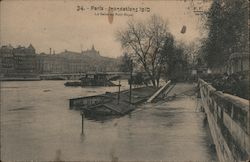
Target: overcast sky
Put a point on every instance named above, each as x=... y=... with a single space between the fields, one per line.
x=58 y=25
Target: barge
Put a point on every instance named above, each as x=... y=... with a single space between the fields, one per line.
x=91 y=80
x=111 y=104
x=117 y=104
x=102 y=105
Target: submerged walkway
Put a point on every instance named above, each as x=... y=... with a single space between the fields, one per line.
x=187 y=133
x=171 y=130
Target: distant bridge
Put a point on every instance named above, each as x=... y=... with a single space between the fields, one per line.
x=77 y=76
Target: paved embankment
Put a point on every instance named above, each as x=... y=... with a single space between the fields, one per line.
x=174 y=130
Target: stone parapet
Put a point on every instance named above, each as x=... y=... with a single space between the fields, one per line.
x=228 y=118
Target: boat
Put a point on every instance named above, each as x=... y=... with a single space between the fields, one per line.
x=92 y=80
x=73 y=84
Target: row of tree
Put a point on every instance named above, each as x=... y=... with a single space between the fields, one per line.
x=227 y=25
x=151 y=46
x=154 y=49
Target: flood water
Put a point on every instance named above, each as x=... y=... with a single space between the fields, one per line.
x=36 y=124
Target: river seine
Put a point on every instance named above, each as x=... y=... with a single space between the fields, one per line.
x=37 y=124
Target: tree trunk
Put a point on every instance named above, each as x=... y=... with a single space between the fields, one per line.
x=152 y=76
x=158 y=75
x=153 y=82
x=158 y=80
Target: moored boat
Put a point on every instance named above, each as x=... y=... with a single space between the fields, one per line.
x=92 y=80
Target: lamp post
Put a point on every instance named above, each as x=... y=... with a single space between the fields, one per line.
x=82 y=114
x=119 y=91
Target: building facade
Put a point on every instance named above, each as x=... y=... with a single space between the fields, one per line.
x=23 y=62
x=6 y=60
x=18 y=62
x=238 y=62
x=48 y=64
x=89 y=60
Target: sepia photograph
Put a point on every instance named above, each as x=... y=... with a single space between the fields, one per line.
x=124 y=81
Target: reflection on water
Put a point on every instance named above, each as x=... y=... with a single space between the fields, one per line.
x=102 y=119
x=36 y=124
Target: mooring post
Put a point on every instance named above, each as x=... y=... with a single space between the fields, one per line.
x=82 y=114
x=130 y=85
x=119 y=91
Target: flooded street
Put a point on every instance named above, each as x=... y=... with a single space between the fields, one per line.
x=36 y=124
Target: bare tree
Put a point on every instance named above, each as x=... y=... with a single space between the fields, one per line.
x=144 y=40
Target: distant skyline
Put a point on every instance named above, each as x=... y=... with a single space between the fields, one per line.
x=59 y=26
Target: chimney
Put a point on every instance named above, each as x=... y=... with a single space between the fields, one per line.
x=50 y=51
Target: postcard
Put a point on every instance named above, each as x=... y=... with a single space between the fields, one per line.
x=124 y=80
